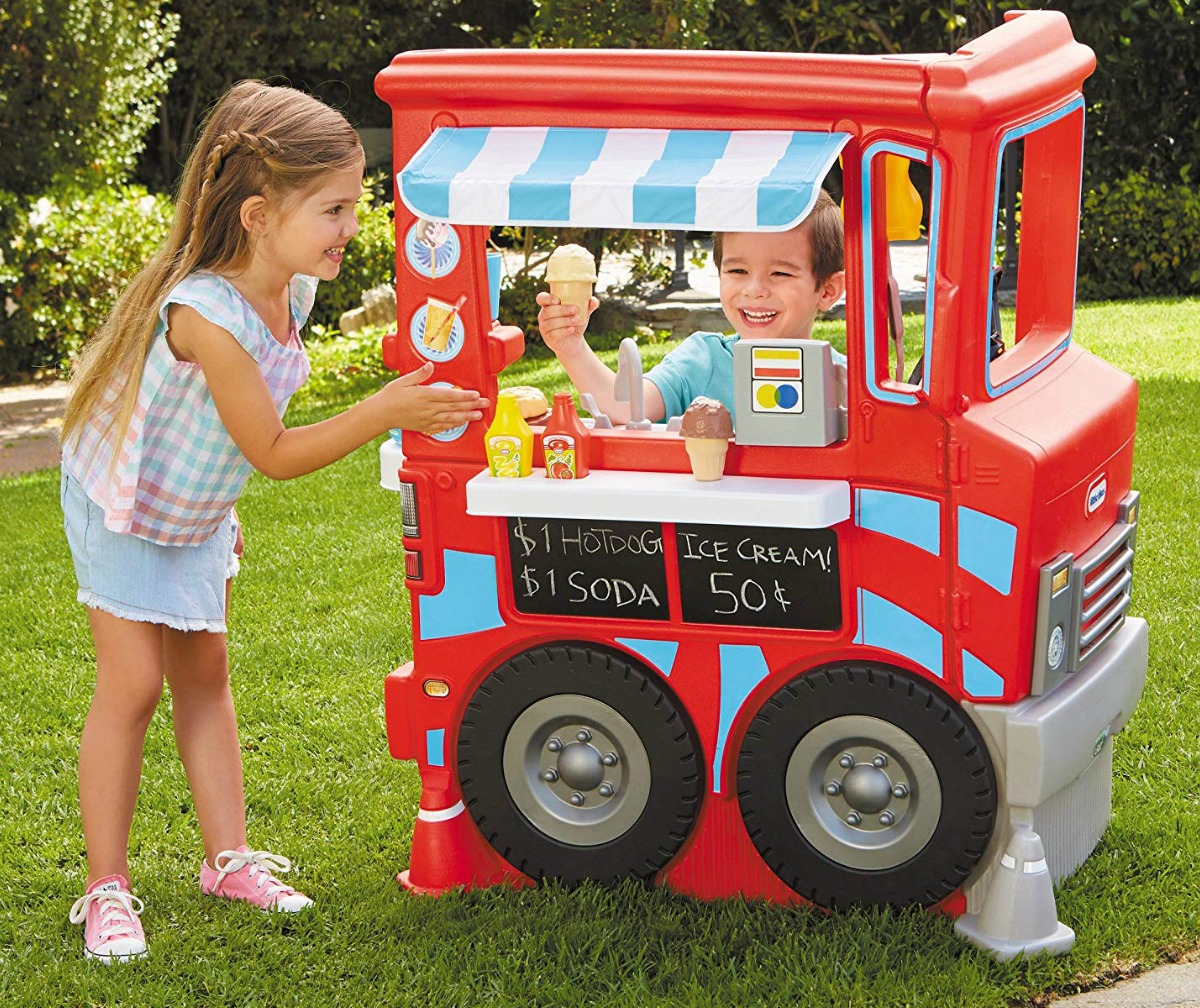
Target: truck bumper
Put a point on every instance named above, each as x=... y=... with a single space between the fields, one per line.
x=1053 y=753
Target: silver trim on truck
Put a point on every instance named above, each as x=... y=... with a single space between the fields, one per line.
x=1083 y=602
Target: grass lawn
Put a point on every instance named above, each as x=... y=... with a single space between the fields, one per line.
x=320 y=617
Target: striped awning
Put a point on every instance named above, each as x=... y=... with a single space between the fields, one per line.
x=705 y=180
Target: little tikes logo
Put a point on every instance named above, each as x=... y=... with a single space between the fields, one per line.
x=1096 y=493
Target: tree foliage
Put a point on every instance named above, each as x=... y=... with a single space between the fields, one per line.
x=332 y=49
x=79 y=87
x=1144 y=98
x=851 y=26
x=621 y=24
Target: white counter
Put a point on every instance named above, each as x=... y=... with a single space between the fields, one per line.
x=622 y=495
x=391 y=460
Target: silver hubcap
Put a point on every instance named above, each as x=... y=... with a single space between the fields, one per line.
x=576 y=769
x=863 y=792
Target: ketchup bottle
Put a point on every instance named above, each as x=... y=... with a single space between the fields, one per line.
x=565 y=440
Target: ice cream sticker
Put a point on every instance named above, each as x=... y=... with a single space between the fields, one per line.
x=432 y=248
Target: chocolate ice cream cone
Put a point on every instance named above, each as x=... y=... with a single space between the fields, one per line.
x=706 y=429
x=707 y=456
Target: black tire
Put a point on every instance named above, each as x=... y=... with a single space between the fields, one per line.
x=810 y=763
x=560 y=694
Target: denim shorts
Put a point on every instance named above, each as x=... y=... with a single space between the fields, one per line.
x=182 y=587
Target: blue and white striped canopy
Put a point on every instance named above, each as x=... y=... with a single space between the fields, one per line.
x=704 y=180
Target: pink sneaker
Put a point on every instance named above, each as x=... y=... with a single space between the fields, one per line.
x=111 y=929
x=246 y=874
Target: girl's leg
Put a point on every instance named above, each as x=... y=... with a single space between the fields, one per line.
x=197 y=669
x=129 y=679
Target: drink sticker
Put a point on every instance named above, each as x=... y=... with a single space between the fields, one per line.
x=437 y=331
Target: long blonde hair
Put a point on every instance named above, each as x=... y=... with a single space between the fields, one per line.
x=258 y=140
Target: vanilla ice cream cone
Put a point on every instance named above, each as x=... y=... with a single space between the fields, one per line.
x=575 y=292
x=707 y=456
x=571 y=274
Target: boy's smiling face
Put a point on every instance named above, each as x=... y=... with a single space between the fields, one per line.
x=768 y=290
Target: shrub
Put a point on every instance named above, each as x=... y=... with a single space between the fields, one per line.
x=1139 y=237
x=658 y=24
x=68 y=256
x=80 y=82
x=62 y=266
x=343 y=366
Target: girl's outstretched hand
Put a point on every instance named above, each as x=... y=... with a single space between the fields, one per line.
x=430 y=409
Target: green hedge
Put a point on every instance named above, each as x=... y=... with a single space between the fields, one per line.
x=64 y=260
x=1139 y=237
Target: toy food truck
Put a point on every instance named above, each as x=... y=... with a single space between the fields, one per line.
x=882 y=660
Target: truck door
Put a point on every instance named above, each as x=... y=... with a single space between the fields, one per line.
x=900 y=469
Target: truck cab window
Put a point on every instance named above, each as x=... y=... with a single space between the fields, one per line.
x=901 y=201
x=1034 y=229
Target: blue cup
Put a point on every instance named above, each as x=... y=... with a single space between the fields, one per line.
x=495 y=267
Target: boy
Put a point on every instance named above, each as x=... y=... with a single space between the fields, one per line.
x=772 y=286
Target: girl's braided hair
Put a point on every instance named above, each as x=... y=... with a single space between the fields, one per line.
x=258 y=140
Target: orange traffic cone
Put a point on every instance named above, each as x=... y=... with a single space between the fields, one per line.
x=448 y=852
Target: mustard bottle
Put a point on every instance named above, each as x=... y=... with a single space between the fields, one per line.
x=509 y=441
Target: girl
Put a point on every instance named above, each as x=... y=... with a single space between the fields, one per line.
x=172 y=404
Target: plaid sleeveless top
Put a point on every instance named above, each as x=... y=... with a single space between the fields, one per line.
x=178 y=472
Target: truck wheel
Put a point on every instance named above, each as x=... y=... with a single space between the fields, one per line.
x=863 y=784
x=576 y=764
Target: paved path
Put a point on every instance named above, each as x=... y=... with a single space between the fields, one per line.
x=1176 y=985
x=30 y=417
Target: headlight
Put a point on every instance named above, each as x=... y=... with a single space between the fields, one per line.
x=1057 y=647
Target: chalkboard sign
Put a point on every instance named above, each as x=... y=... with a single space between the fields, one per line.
x=580 y=567
x=741 y=576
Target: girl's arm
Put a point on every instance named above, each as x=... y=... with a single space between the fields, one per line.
x=248 y=413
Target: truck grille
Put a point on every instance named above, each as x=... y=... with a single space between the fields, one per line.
x=1104 y=576
x=1082 y=602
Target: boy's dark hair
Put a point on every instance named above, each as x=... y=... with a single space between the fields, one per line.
x=826 y=238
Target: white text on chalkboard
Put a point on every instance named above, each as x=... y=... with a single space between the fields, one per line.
x=579 y=540
x=696 y=547
x=748 y=595
x=580 y=588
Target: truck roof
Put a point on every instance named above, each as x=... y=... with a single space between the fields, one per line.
x=754 y=90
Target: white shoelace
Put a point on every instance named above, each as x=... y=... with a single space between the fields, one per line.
x=116 y=912
x=261 y=863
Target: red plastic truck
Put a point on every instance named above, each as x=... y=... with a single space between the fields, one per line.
x=883 y=659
